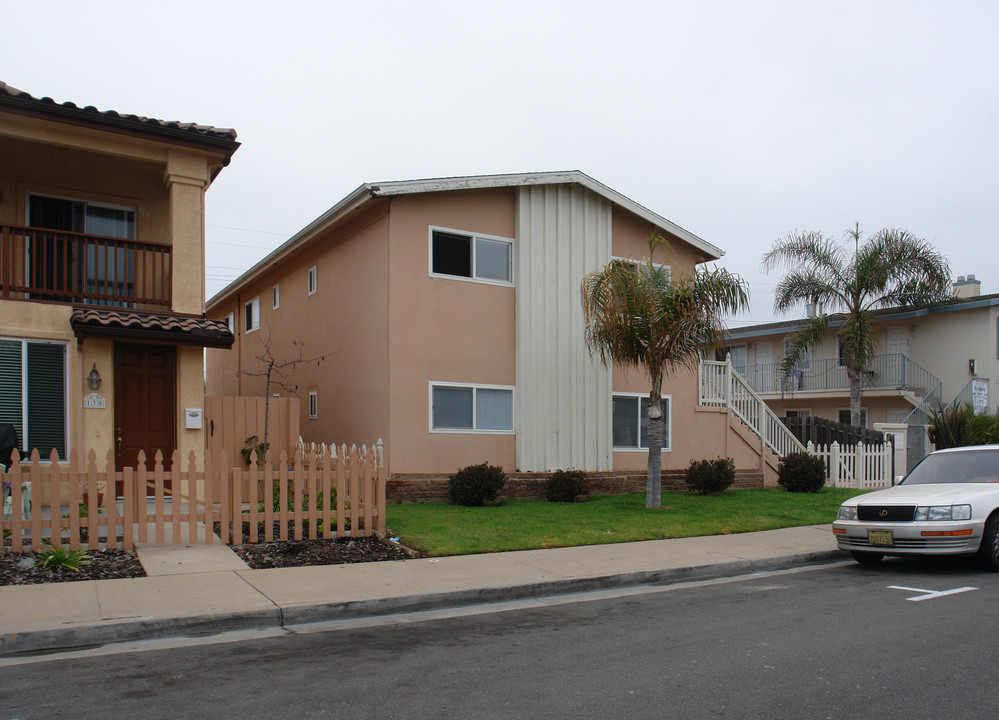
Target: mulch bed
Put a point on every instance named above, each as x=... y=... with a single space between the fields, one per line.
x=16 y=568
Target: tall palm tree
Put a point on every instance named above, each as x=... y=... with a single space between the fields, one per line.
x=638 y=315
x=891 y=268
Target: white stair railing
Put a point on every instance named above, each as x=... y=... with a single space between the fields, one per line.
x=719 y=385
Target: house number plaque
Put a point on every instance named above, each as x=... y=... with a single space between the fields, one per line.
x=94 y=400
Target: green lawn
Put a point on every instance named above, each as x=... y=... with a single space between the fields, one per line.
x=440 y=529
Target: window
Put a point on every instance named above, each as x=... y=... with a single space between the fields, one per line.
x=313 y=279
x=230 y=322
x=471 y=408
x=844 y=417
x=251 y=315
x=62 y=269
x=657 y=266
x=797 y=412
x=313 y=404
x=631 y=422
x=33 y=394
x=276 y=296
x=477 y=257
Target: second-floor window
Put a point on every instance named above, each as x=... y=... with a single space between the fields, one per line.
x=251 y=315
x=62 y=268
x=466 y=255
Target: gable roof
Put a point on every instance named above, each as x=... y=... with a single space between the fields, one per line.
x=370 y=191
x=18 y=101
x=892 y=313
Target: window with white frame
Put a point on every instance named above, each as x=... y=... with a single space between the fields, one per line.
x=33 y=394
x=230 y=322
x=313 y=279
x=460 y=407
x=313 y=404
x=844 y=417
x=251 y=315
x=485 y=258
x=276 y=297
x=631 y=421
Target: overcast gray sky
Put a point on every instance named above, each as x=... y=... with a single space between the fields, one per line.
x=739 y=121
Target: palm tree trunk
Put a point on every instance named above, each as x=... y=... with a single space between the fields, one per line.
x=653 y=484
x=854 y=375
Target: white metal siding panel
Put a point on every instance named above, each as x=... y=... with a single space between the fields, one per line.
x=563 y=394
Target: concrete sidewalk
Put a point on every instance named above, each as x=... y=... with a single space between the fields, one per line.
x=207 y=589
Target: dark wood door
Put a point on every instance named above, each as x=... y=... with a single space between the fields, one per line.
x=145 y=405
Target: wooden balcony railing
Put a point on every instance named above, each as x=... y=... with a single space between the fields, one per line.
x=60 y=266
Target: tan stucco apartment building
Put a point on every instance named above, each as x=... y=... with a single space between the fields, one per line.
x=938 y=354
x=448 y=312
x=102 y=277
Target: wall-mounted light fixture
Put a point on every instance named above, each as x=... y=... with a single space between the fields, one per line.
x=94 y=379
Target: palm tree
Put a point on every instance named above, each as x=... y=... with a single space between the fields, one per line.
x=637 y=314
x=891 y=268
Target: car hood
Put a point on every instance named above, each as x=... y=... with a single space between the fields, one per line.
x=944 y=494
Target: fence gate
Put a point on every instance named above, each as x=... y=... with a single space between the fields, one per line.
x=229 y=421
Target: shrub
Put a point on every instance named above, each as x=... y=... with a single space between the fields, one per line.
x=801 y=472
x=61 y=557
x=476 y=485
x=710 y=476
x=958 y=426
x=565 y=486
x=255 y=445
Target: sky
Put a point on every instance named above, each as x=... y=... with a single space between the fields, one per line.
x=742 y=122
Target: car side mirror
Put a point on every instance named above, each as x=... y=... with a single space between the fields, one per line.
x=897 y=479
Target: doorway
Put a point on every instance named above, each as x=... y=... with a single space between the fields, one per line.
x=145 y=416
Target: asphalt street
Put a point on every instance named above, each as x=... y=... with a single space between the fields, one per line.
x=904 y=639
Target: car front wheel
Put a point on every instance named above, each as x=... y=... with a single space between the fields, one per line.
x=867 y=558
x=988 y=551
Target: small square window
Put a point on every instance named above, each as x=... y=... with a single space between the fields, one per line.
x=844 y=417
x=313 y=279
x=251 y=315
x=313 y=404
x=230 y=322
x=276 y=296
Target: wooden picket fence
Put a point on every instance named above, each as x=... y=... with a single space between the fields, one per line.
x=860 y=466
x=95 y=509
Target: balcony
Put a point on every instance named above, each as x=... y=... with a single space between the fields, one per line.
x=68 y=267
x=892 y=372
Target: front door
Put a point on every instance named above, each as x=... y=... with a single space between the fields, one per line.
x=145 y=415
x=765 y=373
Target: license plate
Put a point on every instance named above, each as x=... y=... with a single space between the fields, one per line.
x=880 y=537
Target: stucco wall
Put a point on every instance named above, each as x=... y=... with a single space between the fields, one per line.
x=445 y=330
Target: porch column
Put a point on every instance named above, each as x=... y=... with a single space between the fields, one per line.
x=186 y=177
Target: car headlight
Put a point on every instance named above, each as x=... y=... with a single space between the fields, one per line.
x=943 y=512
x=847 y=512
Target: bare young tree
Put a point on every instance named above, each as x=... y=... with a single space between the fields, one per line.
x=278 y=372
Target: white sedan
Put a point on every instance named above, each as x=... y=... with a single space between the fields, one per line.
x=947 y=505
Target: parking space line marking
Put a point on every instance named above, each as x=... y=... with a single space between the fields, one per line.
x=930 y=594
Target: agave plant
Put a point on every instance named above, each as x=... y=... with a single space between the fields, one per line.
x=60 y=557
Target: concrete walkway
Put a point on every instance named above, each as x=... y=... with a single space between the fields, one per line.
x=207 y=589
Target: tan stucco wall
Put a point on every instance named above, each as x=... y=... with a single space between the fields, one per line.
x=345 y=321
x=445 y=330
x=165 y=184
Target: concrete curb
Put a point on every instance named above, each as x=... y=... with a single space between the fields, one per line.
x=117 y=631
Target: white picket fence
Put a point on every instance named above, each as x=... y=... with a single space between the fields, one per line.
x=860 y=466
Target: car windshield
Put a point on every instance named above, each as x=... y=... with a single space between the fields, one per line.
x=967 y=466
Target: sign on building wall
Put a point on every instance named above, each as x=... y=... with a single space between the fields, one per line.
x=980 y=395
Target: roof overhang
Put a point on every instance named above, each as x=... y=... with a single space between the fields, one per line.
x=369 y=191
x=141 y=325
